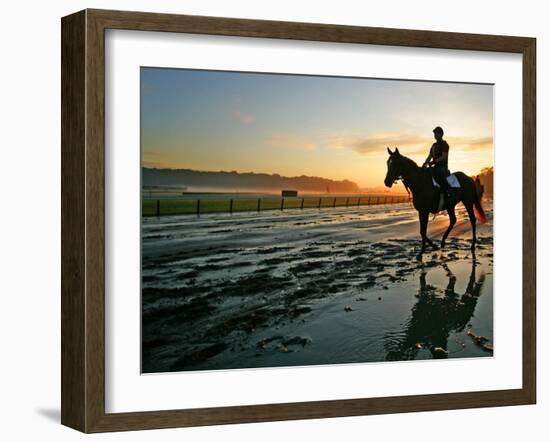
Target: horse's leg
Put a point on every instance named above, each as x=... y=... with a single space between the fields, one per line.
x=428 y=240
x=425 y=238
x=452 y=222
x=472 y=216
x=423 y=218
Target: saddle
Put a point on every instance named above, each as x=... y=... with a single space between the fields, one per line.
x=451 y=179
x=453 y=182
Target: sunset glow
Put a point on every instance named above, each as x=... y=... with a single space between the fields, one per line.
x=292 y=125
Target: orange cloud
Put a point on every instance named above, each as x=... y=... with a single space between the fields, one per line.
x=409 y=144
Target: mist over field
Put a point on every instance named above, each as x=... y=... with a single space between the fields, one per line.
x=243 y=181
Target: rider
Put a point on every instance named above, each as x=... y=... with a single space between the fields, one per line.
x=438 y=158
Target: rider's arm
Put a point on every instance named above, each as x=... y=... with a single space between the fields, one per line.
x=428 y=159
x=444 y=156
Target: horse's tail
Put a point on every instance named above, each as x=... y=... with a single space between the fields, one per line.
x=466 y=182
x=478 y=210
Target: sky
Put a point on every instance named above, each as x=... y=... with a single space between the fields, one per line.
x=292 y=125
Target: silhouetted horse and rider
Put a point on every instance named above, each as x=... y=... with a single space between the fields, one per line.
x=427 y=198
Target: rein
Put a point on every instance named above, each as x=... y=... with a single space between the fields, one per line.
x=406 y=188
x=404 y=180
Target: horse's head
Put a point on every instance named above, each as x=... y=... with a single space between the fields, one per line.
x=395 y=167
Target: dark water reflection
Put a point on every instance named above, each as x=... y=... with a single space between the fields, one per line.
x=434 y=317
x=273 y=291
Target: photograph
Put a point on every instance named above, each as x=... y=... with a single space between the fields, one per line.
x=298 y=220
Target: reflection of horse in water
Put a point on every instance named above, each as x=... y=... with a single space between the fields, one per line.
x=434 y=317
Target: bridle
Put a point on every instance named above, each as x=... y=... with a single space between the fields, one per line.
x=400 y=178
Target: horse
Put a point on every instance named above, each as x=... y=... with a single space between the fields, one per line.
x=426 y=196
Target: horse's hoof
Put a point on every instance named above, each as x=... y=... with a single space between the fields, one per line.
x=442 y=245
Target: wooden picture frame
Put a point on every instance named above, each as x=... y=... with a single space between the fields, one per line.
x=83 y=220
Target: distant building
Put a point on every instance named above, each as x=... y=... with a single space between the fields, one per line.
x=289 y=193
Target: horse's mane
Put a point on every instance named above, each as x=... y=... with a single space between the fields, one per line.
x=409 y=162
x=411 y=166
